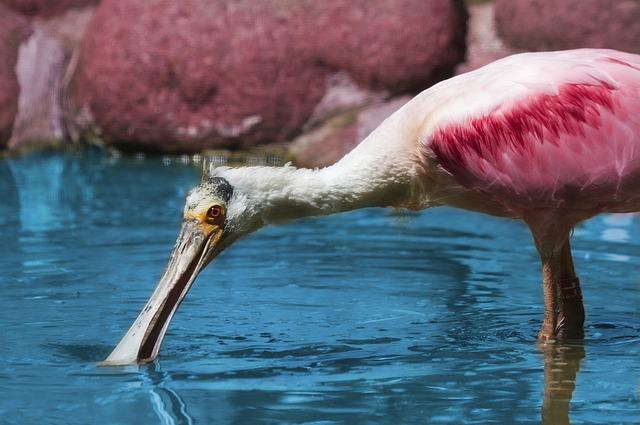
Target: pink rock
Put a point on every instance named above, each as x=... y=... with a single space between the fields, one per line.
x=13 y=29
x=180 y=76
x=45 y=7
x=483 y=44
x=195 y=74
x=39 y=69
x=567 y=24
x=44 y=63
x=400 y=45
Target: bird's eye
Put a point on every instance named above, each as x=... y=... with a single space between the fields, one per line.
x=214 y=214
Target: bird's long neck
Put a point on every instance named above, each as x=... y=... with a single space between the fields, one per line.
x=288 y=193
x=339 y=188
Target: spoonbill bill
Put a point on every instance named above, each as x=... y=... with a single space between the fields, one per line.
x=551 y=139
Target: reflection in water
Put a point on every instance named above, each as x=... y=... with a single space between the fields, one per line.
x=46 y=188
x=9 y=208
x=561 y=365
x=8 y=192
x=167 y=403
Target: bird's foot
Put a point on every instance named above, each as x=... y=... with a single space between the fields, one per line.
x=563 y=330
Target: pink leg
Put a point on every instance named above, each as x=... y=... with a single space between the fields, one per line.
x=563 y=308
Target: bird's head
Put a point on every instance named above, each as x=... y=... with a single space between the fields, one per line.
x=212 y=219
x=214 y=216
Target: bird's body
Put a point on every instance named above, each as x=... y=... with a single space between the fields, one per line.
x=548 y=138
x=558 y=130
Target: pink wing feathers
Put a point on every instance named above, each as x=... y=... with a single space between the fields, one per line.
x=577 y=146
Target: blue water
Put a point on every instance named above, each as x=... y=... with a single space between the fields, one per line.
x=370 y=317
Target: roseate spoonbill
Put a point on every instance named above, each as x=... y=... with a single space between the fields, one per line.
x=548 y=138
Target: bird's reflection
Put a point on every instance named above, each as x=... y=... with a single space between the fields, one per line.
x=167 y=404
x=561 y=366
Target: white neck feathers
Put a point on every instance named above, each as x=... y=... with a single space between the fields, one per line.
x=287 y=193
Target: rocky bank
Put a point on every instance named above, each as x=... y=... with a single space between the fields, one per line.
x=192 y=75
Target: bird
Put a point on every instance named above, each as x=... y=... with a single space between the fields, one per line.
x=547 y=138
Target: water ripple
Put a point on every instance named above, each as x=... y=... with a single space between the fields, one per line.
x=431 y=320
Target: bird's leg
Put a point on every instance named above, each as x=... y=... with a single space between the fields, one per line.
x=571 y=316
x=564 y=310
x=550 y=302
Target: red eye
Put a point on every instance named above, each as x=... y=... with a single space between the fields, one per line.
x=214 y=212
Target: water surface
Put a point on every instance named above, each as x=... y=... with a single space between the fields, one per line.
x=367 y=317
